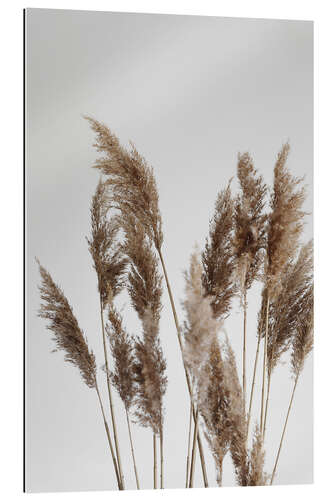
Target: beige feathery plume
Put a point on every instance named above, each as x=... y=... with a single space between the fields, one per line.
x=213 y=405
x=256 y=475
x=248 y=464
x=110 y=264
x=235 y=415
x=218 y=256
x=151 y=381
x=123 y=376
x=68 y=336
x=302 y=341
x=285 y=222
x=200 y=328
x=302 y=344
x=286 y=310
x=289 y=305
x=122 y=349
x=144 y=280
x=131 y=180
x=109 y=261
x=249 y=239
x=145 y=289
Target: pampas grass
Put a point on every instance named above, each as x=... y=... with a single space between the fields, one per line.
x=250 y=235
x=285 y=224
x=145 y=289
x=122 y=376
x=244 y=244
x=218 y=258
x=302 y=343
x=134 y=193
x=200 y=329
x=109 y=264
x=69 y=338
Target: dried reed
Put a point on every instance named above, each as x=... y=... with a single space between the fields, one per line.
x=69 y=338
x=145 y=289
x=301 y=346
x=110 y=265
x=248 y=465
x=213 y=406
x=287 y=308
x=285 y=224
x=218 y=258
x=250 y=235
x=122 y=376
x=200 y=330
x=134 y=193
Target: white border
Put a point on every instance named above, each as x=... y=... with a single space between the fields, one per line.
x=12 y=243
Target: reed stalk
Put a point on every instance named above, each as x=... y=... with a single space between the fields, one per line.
x=189 y=448
x=252 y=386
x=155 y=461
x=132 y=451
x=244 y=347
x=284 y=429
x=264 y=371
x=189 y=386
x=219 y=476
x=266 y=405
x=161 y=460
x=120 y=487
x=110 y=398
x=194 y=448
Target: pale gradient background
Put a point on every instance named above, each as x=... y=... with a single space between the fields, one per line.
x=190 y=92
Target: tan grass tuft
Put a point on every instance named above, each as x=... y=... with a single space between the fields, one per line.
x=68 y=336
x=131 y=180
x=109 y=261
x=249 y=240
x=218 y=256
x=285 y=222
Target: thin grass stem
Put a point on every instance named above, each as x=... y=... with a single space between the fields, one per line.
x=189 y=448
x=284 y=429
x=266 y=405
x=252 y=386
x=194 y=449
x=155 y=461
x=110 y=398
x=264 y=371
x=120 y=487
x=244 y=347
x=132 y=451
x=161 y=460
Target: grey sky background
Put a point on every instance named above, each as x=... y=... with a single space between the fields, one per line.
x=190 y=92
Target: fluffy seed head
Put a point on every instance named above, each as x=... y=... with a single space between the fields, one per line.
x=67 y=334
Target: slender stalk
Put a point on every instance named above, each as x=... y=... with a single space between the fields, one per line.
x=189 y=448
x=162 y=460
x=219 y=476
x=110 y=398
x=155 y=461
x=244 y=347
x=284 y=429
x=266 y=405
x=132 y=450
x=252 y=387
x=120 y=487
x=195 y=434
x=202 y=458
x=264 y=371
